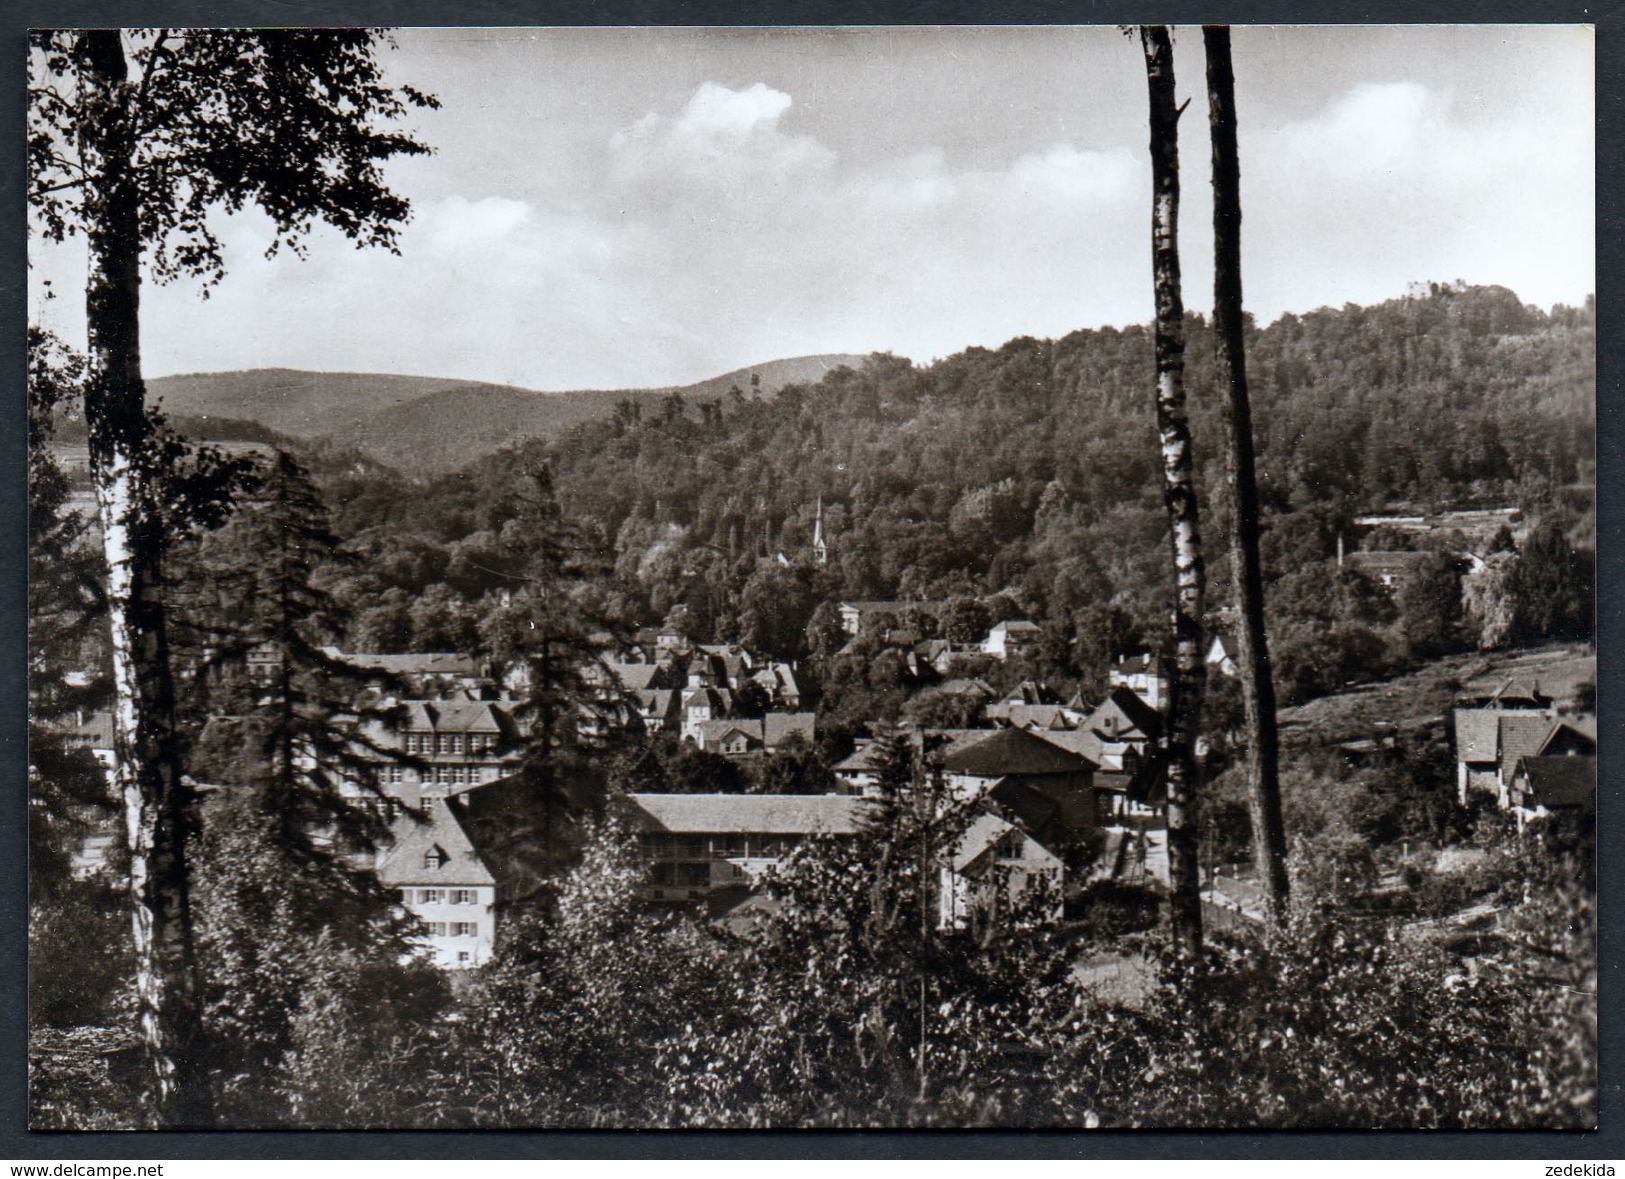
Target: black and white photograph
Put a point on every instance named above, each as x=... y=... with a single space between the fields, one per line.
x=953 y=577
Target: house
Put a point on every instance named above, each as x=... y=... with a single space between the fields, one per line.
x=702 y=704
x=1031 y=706
x=95 y=733
x=1130 y=781
x=657 y=708
x=262 y=662
x=1124 y=719
x=1389 y=570
x=1558 y=784
x=441 y=880
x=1221 y=658
x=859 y=771
x=457 y=743
x=991 y=868
x=855 y=614
x=1011 y=639
x=1050 y=788
x=426 y=675
x=697 y=844
x=730 y=665
x=1142 y=674
x=1511 y=695
x=1484 y=738
x=1490 y=742
x=778 y=681
x=940 y=655
x=768 y=734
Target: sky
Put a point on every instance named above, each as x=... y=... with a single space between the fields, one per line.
x=615 y=208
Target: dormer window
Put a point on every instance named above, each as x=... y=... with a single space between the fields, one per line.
x=435 y=859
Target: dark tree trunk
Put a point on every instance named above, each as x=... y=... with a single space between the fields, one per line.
x=158 y=807
x=1252 y=647
x=1179 y=494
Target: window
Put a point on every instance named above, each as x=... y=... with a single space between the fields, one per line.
x=464 y=896
x=1010 y=849
x=464 y=929
x=446 y=740
x=437 y=928
x=431 y=896
x=406 y=896
x=435 y=859
x=464 y=957
x=394 y=775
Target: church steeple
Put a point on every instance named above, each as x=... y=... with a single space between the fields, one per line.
x=819 y=547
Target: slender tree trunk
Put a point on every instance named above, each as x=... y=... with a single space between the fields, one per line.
x=1179 y=494
x=1252 y=647
x=158 y=807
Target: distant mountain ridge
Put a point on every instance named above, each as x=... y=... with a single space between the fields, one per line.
x=433 y=423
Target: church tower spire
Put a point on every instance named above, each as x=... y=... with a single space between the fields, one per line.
x=820 y=547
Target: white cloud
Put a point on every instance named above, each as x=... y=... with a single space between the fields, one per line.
x=458 y=223
x=1397 y=182
x=722 y=140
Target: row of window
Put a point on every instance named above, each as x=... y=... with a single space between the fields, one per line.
x=443 y=775
x=439 y=896
x=664 y=846
x=450 y=742
x=453 y=929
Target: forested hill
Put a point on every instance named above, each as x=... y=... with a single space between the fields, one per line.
x=429 y=423
x=1030 y=470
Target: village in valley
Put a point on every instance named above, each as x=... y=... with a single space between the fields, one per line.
x=1067 y=794
x=1189 y=724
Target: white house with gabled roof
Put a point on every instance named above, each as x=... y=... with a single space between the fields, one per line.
x=441 y=879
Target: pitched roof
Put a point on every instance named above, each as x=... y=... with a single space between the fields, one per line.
x=767 y=814
x=1517 y=690
x=1084 y=742
x=1125 y=703
x=776 y=726
x=1385 y=562
x=1561 y=781
x=656 y=701
x=983 y=834
x=960 y=686
x=634 y=677
x=453 y=716
x=1521 y=735
x=1569 y=737
x=411 y=663
x=1013 y=751
x=1023 y=626
x=1476 y=734
x=1031 y=716
x=412 y=841
x=714 y=697
x=714 y=732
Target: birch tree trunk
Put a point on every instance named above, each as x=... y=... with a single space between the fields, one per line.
x=158 y=807
x=1179 y=495
x=1252 y=647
